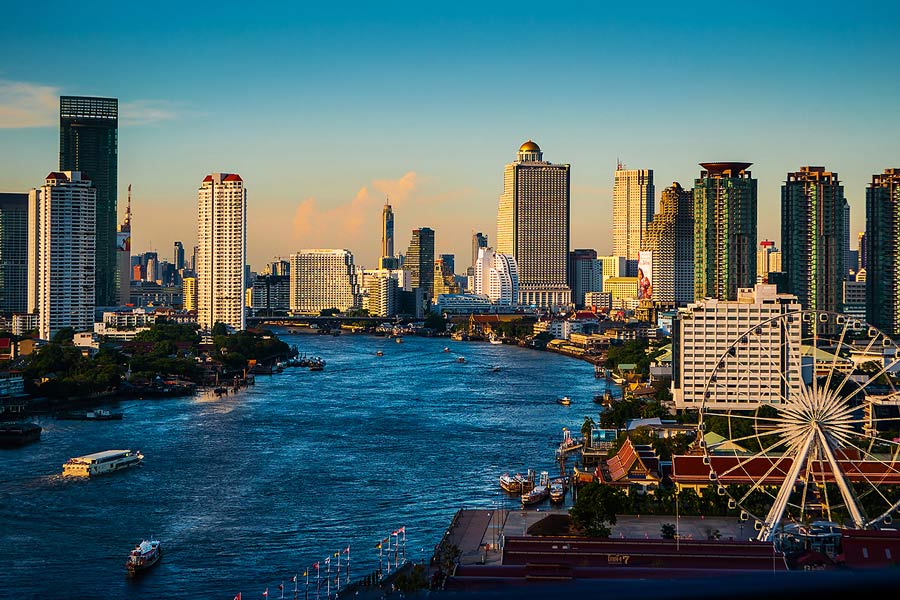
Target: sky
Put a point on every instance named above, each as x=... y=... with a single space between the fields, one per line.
x=326 y=110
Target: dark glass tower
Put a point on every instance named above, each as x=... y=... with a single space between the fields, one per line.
x=813 y=237
x=13 y=253
x=882 y=248
x=724 y=230
x=88 y=142
x=420 y=261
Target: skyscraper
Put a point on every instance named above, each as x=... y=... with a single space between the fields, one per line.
x=420 y=261
x=13 y=253
x=882 y=252
x=61 y=225
x=387 y=261
x=861 y=247
x=533 y=226
x=633 y=202
x=724 y=230
x=178 y=256
x=221 y=250
x=813 y=233
x=496 y=276
x=123 y=256
x=479 y=240
x=585 y=274
x=670 y=240
x=88 y=142
x=768 y=259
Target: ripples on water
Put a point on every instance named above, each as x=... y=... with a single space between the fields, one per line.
x=246 y=490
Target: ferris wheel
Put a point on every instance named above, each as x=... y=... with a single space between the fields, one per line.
x=800 y=421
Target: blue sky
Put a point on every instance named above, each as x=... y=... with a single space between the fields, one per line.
x=323 y=111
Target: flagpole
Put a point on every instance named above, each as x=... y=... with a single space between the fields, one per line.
x=328 y=578
x=380 y=560
x=296 y=583
x=348 y=564
x=338 y=577
x=318 y=582
x=282 y=589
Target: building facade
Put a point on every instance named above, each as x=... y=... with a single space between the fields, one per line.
x=221 y=250
x=270 y=294
x=724 y=230
x=633 y=204
x=670 y=239
x=382 y=295
x=322 y=279
x=88 y=142
x=585 y=274
x=813 y=237
x=387 y=260
x=497 y=277
x=61 y=253
x=533 y=227
x=765 y=367
x=189 y=293
x=882 y=252
x=419 y=261
x=768 y=260
x=479 y=240
x=13 y=253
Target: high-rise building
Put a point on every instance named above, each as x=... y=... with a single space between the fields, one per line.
x=882 y=252
x=61 y=251
x=765 y=369
x=813 y=233
x=479 y=240
x=178 y=256
x=221 y=250
x=585 y=274
x=270 y=294
x=497 y=277
x=724 y=230
x=533 y=226
x=768 y=260
x=387 y=260
x=861 y=247
x=847 y=264
x=613 y=266
x=633 y=201
x=420 y=261
x=123 y=256
x=670 y=240
x=383 y=296
x=13 y=253
x=322 y=279
x=444 y=280
x=189 y=291
x=88 y=142
x=153 y=269
x=449 y=261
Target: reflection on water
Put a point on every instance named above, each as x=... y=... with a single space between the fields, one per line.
x=248 y=489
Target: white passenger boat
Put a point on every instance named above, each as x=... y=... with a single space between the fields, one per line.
x=101 y=463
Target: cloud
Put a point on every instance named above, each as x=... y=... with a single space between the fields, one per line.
x=24 y=104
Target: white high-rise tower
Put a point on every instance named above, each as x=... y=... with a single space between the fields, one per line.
x=221 y=250
x=61 y=248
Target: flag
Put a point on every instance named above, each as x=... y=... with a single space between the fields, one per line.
x=316 y=566
x=347 y=549
x=403 y=529
x=337 y=554
x=395 y=532
x=294 y=578
x=280 y=586
x=304 y=573
x=266 y=593
x=378 y=546
x=238 y=597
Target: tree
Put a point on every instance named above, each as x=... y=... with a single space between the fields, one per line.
x=667 y=531
x=219 y=329
x=596 y=508
x=436 y=322
x=64 y=335
x=586 y=429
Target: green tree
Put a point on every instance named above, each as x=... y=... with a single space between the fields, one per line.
x=436 y=322
x=219 y=329
x=64 y=335
x=667 y=531
x=596 y=508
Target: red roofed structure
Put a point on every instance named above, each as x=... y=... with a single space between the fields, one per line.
x=632 y=464
x=57 y=175
x=233 y=177
x=207 y=178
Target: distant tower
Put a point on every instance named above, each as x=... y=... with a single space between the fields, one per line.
x=13 y=253
x=813 y=234
x=387 y=230
x=221 y=250
x=882 y=252
x=724 y=230
x=533 y=227
x=633 y=205
x=420 y=261
x=123 y=256
x=178 y=256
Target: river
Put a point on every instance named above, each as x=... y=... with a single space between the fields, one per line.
x=248 y=489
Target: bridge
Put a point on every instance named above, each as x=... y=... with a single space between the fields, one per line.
x=325 y=322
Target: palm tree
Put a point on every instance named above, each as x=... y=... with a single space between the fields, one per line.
x=586 y=430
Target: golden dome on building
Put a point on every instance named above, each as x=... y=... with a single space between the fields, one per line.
x=529 y=146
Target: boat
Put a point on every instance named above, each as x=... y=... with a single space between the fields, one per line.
x=91 y=415
x=460 y=359
x=495 y=369
x=495 y=341
x=379 y=353
x=316 y=367
x=512 y=483
x=101 y=463
x=538 y=493
x=446 y=349
x=557 y=492
x=606 y=398
x=569 y=444
x=145 y=555
x=565 y=401
x=399 y=340
x=618 y=379
x=19 y=434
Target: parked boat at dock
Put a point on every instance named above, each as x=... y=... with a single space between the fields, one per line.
x=557 y=492
x=145 y=555
x=101 y=463
x=539 y=493
x=512 y=483
x=19 y=434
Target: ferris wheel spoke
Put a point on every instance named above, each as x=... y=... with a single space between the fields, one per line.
x=837 y=352
x=744 y=438
x=866 y=351
x=748 y=417
x=846 y=491
x=761 y=480
x=869 y=481
x=740 y=464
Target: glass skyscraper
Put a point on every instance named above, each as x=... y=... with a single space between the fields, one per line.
x=88 y=142
x=13 y=253
x=882 y=252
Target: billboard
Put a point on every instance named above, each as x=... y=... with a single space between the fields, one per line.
x=645 y=276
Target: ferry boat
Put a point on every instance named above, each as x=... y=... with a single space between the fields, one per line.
x=145 y=555
x=495 y=369
x=379 y=353
x=446 y=349
x=101 y=463
x=495 y=341
x=12 y=436
x=512 y=483
x=538 y=493
x=557 y=492
x=565 y=401
x=461 y=359
x=91 y=415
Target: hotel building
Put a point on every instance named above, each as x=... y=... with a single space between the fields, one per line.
x=321 y=279
x=633 y=204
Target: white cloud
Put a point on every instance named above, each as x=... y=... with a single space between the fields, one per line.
x=24 y=104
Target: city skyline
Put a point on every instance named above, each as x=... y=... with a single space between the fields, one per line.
x=435 y=160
